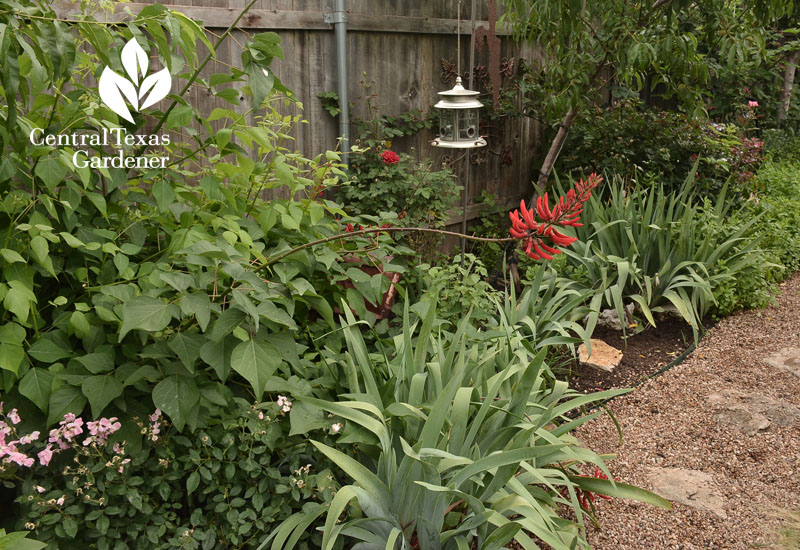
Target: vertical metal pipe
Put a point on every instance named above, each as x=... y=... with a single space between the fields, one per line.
x=340 y=27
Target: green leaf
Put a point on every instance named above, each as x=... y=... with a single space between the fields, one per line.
x=187 y=348
x=261 y=84
x=305 y=417
x=51 y=171
x=11 y=357
x=164 y=194
x=17 y=541
x=47 y=351
x=199 y=305
x=364 y=477
x=66 y=399
x=70 y=527
x=192 y=482
x=179 y=117
x=218 y=355
x=177 y=396
x=18 y=300
x=11 y=256
x=101 y=390
x=501 y=536
x=620 y=490
x=99 y=202
x=12 y=333
x=97 y=363
x=36 y=385
x=80 y=324
x=256 y=362
x=144 y=313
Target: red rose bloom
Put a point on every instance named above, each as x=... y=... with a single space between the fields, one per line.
x=389 y=157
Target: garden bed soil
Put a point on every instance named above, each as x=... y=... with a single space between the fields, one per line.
x=644 y=354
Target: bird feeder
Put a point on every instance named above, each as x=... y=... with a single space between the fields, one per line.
x=459 y=119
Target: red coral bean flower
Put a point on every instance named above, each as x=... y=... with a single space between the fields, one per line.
x=533 y=226
x=389 y=157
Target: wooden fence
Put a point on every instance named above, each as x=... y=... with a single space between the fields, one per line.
x=399 y=45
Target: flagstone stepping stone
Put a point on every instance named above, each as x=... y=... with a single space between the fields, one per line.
x=787 y=359
x=604 y=357
x=688 y=487
x=752 y=413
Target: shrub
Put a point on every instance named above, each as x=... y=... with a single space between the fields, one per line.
x=782 y=144
x=778 y=206
x=167 y=288
x=459 y=287
x=225 y=487
x=629 y=140
x=415 y=193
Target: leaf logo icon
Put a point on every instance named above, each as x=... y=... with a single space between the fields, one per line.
x=138 y=90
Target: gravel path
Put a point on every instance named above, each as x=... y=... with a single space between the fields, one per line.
x=718 y=434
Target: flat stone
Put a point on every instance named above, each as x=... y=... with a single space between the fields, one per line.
x=752 y=413
x=787 y=359
x=609 y=318
x=603 y=357
x=688 y=487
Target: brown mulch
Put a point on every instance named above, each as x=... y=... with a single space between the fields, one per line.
x=668 y=422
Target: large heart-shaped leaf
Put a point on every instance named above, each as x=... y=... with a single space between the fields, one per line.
x=36 y=385
x=256 y=361
x=144 y=313
x=101 y=390
x=177 y=396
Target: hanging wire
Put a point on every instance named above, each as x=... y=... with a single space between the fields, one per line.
x=458 y=39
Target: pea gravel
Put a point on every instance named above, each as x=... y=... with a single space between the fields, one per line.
x=674 y=421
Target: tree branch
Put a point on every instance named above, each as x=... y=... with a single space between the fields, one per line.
x=343 y=236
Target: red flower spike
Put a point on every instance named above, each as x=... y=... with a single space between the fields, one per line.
x=548 y=249
x=566 y=213
x=541 y=252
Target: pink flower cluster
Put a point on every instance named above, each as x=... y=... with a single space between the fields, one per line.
x=284 y=404
x=9 y=450
x=60 y=439
x=100 y=430
x=155 y=425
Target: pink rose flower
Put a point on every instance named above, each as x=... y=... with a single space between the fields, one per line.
x=752 y=103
